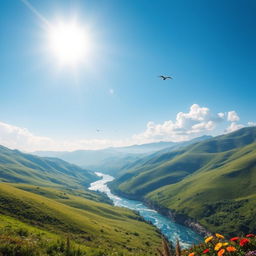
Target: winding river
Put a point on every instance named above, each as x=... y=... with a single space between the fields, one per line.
x=170 y=229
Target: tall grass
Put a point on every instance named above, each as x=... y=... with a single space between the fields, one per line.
x=30 y=246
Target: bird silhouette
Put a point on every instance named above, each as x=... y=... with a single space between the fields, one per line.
x=166 y=77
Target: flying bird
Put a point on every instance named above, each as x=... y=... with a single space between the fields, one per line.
x=166 y=77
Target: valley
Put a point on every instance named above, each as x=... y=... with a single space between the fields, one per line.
x=212 y=182
x=171 y=230
x=206 y=184
x=49 y=198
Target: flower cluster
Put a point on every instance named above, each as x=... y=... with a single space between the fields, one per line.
x=217 y=245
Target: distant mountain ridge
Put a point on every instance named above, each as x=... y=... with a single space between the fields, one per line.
x=113 y=160
x=201 y=181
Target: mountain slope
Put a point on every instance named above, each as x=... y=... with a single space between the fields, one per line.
x=170 y=167
x=16 y=166
x=222 y=199
x=95 y=225
x=201 y=181
x=48 y=199
x=95 y=157
x=115 y=161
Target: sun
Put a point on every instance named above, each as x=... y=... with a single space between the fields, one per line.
x=68 y=42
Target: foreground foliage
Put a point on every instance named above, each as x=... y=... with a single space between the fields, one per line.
x=20 y=239
x=94 y=226
x=25 y=241
x=216 y=245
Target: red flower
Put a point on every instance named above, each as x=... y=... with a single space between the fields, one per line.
x=206 y=250
x=250 y=235
x=234 y=238
x=244 y=241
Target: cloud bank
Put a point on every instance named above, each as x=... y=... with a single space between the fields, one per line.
x=196 y=122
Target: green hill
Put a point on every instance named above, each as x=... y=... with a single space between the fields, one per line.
x=91 y=224
x=44 y=202
x=18 y=167
x=213 y=181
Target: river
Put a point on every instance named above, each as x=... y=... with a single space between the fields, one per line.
x=170 y=229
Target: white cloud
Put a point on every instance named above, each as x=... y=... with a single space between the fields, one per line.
x=221 y=115
x=233 y=116
x=16 y=137
x=20 y=138
x=198 y=121
x=251 y=123
x=234 y=126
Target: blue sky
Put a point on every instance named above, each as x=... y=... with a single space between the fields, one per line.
x=207 y=46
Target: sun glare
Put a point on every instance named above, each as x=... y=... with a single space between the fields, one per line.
x=69 y=43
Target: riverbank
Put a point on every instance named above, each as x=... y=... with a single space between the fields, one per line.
x=169 y=228
x=179 y=218
x=169 y=213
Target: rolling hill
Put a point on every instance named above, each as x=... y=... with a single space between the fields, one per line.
x=45 y=209
x=213 y=182
x=96 y=227
x=19 y=167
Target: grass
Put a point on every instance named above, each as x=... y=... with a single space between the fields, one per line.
x=101 y=227
x=18 y=238
x=64 y=192
x=222 y=199
x=45 y=209
x=18 y=167
x=212 y=182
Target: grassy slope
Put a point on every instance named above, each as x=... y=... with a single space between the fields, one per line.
x=19 y=238
x=89 y=223
x=18 y=167
x=48 y=195
x=213 y=181
x=170 y=167
x=222 y=199
x=62 y=193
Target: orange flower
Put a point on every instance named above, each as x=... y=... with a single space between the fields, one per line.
x=221 y=252
x=219 y=236
x=208 y=239
x=218 y=246
x=231 y=249
x=191 y=254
